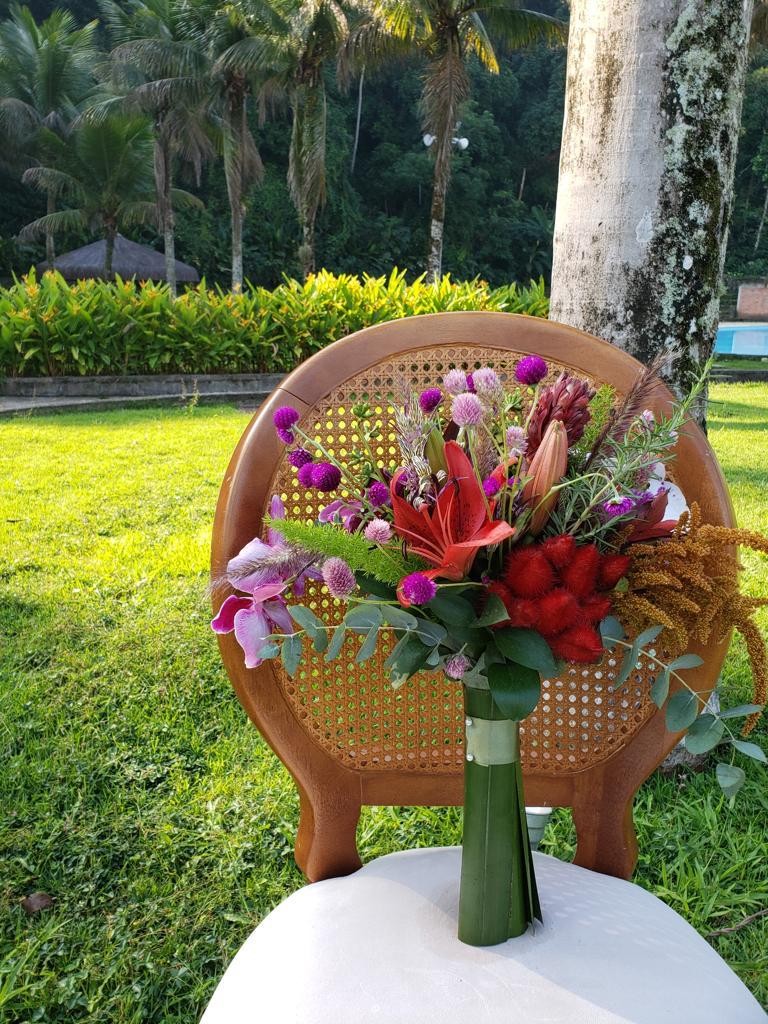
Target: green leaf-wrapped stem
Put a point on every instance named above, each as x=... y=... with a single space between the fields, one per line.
x=498 y=898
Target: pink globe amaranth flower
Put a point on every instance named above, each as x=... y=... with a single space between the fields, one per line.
x=326 y=476
x=491 y=487
x=455 y=381
x=418 y=588
x=299 y=457
x=430 y=399
x=378 y=494
x=467 y=410
x=457 y=665
x=338 y=577
x=486 y=381
x=285 y=417
x=530 y=370
x=516 y=443
x=378 y=531
x=286 y=436
x=304 y=476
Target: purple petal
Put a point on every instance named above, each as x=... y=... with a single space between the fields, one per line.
x=263 y=593
x=243 y=563
x=278 y=614
x=252 y=629
x=276 y=511
x=225 y=620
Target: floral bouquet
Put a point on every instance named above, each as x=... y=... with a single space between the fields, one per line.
x=524 y=525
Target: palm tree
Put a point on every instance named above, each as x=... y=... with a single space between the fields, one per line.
x=289 y=44
x=218 y=28
x=46 y=73
x=447 y=33
x=157 y=72
x=104 y=172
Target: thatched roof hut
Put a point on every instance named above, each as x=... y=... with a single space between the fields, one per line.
x=129 y=260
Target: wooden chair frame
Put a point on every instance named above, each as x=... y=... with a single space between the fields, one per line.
x=331 y=793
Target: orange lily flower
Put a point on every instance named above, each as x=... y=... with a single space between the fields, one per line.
x=548 y=467
x=449 y=533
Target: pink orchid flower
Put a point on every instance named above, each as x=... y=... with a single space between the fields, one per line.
x=253 y=619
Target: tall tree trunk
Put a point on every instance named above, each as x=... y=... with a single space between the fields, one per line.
x=437 y=213
x=357 y=122
x=110 y=233
x=761 y=225
x=653 y=103
x=307 y=247
x=50 y=250
x=165 y=208
x=234 y=170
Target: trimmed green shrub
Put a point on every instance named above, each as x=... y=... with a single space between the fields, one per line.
x=52 y=328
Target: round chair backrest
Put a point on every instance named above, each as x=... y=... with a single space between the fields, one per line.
x=347 y=737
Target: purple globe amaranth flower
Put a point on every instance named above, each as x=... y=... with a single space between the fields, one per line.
x=304 y=476
x=471 y=383
x=486 y=381
x=326 y=476
x=299 y=457
x=491 y=487
x=285 y=417
x=378 y=494
x=338 y=577
x=430 y=399
x=455 y=381
x=457 y=665
x=286 y=436
x=467 y=410
x=378 y=531
x=530 y=370
x=618 y=507
x=416 y=589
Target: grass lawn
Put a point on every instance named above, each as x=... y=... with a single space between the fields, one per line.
x=133 y=789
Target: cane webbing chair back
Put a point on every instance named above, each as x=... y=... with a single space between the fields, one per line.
x=346 y=736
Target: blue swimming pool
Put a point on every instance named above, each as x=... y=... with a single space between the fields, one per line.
x=742 y=339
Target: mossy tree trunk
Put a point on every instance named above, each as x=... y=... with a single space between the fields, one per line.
x=653 y=104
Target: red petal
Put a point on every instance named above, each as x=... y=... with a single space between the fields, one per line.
x=462 y=501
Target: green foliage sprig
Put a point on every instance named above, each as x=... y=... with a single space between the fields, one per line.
x=388 y=566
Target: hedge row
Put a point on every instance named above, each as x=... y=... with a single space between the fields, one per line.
x=50 y=327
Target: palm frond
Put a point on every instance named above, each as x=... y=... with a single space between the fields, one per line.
x=515 y=27
x=137 y=212
x=50 y=179
x=52 y=223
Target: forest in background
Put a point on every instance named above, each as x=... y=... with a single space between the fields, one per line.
x=501 y=203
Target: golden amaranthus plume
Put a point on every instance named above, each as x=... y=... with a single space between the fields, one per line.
x=689 y=584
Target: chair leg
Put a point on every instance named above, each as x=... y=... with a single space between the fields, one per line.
x=605 y=832
x=326 y=843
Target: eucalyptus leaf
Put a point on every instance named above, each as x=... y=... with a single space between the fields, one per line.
x=686 y=661
x=269 y=651
x=305 y=618
x=705 y=733
x=730 y=778
x=368 y=645
x=750 y=750
x=337 y=642
x=741 y=711
x=434 y=658
x=627 y=665
x=611 y=630
x=648 y=636
x=516 y=689
x=398 y=617
x=528 y=648
x=363 y=617
x=407 y=656
x=660 y=688
x=290 y=654
x=682 y=710
x=431 y=633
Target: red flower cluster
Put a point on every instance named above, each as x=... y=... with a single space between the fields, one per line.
x=561 y=589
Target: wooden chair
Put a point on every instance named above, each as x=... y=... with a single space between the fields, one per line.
x=349 y=740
